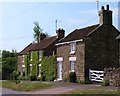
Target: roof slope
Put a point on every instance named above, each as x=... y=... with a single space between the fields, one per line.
x=79 y=33
x=44 y=43
x=27 y=49
x=118 y=37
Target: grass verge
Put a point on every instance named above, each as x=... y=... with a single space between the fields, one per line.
x=25 y=85
x=93 y=92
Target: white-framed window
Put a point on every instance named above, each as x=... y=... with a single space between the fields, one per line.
x=30 y=69
x=30 y=55
x=72 y=47
x=23 y=68
x=39 y=70
x=72 y=66
x=40 y=55
x=23 y=58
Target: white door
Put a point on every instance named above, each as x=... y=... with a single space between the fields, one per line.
x=59 y=71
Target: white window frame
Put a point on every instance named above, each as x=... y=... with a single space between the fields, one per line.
x=72 y=47
x=72 y=66
x=30 y=55
x=30 y=69
x=40 y=55
x=39 y=70
x=23 y=68
x=23 y=58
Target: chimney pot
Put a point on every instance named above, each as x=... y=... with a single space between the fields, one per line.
x=107 y=7
x=60 y=33
x=102 y=7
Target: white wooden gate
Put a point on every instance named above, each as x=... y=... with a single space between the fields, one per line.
x=95 y=75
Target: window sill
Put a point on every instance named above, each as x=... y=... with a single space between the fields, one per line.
x=40 y=59
x=72 y=71
x=72 y=52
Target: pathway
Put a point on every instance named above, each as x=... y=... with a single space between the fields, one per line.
x=62 y=87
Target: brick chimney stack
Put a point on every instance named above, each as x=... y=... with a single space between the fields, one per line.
x=105 y=16
x=42 y=36
x=60 y=33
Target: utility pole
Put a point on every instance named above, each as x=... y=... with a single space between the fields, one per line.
x=98 y=6
x=56 y=25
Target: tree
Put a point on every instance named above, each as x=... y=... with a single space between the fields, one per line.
x=9 y=63
x=37 y=31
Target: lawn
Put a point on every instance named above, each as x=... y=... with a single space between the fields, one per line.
x=25 y=85
x=100 y=91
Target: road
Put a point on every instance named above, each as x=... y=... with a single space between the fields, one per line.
x=61 y=88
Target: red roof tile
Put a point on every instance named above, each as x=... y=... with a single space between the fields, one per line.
x=27 y=49
x=44 y=43
x=79 y=33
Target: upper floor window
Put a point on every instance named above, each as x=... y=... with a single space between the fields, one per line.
x=31 y=56
x=40 y=54
x=72 y=47
x=22 y=58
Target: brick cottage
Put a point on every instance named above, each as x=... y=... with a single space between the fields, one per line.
x=93 y=47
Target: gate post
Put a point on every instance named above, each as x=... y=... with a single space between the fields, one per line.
x=89 y=74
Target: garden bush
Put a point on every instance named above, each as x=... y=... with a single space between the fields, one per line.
x=33 y=77
x=72 y=77
x=14 y=75
x=105 y=82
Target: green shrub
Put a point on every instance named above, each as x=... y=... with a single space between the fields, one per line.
x=87 y=81
x=33 y=77
x=72 y=77
x=14 y=75
x=105 y=82
x=42 y=78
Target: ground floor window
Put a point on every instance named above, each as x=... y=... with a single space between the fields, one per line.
x=23 y=70
x=72 y=66
x=30 y=69
x=39 y=70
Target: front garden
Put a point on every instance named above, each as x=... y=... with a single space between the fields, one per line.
x=25 y=85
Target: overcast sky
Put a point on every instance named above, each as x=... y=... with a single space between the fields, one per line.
x=17 y=19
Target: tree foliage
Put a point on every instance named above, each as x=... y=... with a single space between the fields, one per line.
x=37 y=31
x=9 y=63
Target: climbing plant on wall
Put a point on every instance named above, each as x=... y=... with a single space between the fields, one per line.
x=48 y=68
x=34 y=63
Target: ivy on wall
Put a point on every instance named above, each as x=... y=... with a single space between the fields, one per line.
x=48 y=68
x=26 y=67
x=34 y=63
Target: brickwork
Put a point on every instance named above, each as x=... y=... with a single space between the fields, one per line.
x=113 y=75
x=20 y=63
x=64 y=51
x=102 y=49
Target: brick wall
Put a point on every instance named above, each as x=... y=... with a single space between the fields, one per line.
x=64 y=51
x=113 y=75
x=80 y=61
x=102 y=49
x=20 y=63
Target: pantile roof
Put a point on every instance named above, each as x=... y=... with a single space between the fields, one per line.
x=79 y=33
x=44 y=43
x=27 y=49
